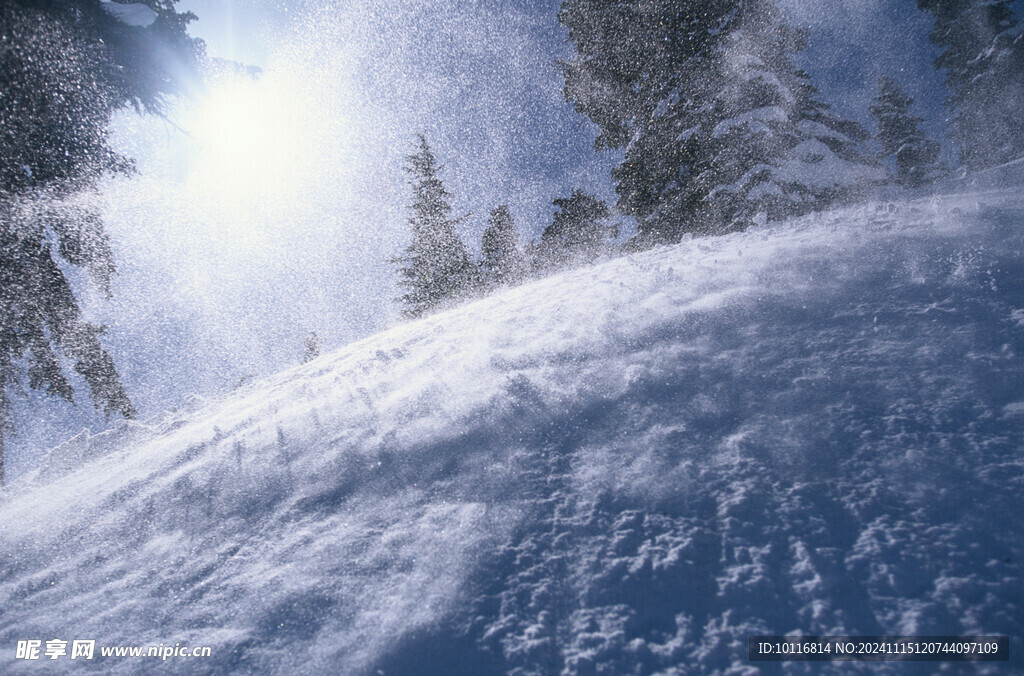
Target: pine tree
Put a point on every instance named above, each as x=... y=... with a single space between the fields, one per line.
x=436 y=267
x=642 y=74
x=716 y=122
x=770 y=146
x=65 y=69
x=983 y=57
x=312 y=347
x=502 y=260
x=916 y=157
x=578 y=234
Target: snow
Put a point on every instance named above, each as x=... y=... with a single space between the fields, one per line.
x=770 y=80
x=687 y=134
x=755 y=119
x=811 y=163
x=632 y=467
x=764 y=189
x=131 y=14
x=818 y=130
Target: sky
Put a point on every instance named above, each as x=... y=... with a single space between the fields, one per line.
x=265 y=209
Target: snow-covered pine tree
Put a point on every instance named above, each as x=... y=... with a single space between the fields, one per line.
x=435 y=267
x=65 y=69
x=915 y=156
x=767 y=144
x=982 y=43
x=578 y=234
x=642 y=74
x=716 y=122
x=502 y=260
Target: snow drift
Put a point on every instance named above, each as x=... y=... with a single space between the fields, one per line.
x=814 y=428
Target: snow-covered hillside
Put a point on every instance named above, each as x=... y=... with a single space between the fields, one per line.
x=813 y=428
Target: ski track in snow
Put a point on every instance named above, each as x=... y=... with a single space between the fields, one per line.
x=814 y=427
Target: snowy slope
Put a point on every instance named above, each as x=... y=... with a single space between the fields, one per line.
x=812 y=428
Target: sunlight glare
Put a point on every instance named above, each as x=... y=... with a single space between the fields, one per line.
x=258 y=143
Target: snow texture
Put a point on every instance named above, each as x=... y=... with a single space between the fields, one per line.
x=625 y=468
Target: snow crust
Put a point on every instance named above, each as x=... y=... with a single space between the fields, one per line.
x=814 y=428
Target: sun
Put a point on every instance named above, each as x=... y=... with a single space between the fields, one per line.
x=257 y=141
x=264 y=152
x=247 y=143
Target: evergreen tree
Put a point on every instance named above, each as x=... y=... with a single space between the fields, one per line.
x=983 y=58
x=916 y=157
x=642 y=74
x=716 y=122
x=578 y=234
x=312 y=347
x=502 y=260
x=436 y=266
x=65 y=68
x=769 y=146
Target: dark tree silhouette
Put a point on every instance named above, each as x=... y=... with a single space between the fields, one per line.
x=502 y=260
x=65 y=68
x=915 y=156
x=435 y=267
x=312 y=347
x=578 y=234
x=983 y=58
